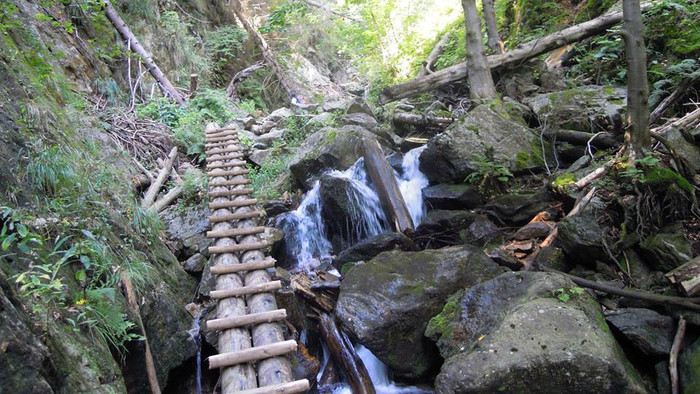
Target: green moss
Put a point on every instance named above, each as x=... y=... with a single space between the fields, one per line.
x=346 y=267
x=522 y=160
x=609 y=90
x=439 y=325
x=662 y=176
x=331 y=136
x=563 y=180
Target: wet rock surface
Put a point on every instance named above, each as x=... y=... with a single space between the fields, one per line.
x=386 y=302
x=650 y=332
x=371 y=247
x=446 y=196
x=442 y=227
x=512 y=335
x=187 y=229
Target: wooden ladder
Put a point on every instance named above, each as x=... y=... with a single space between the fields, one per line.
x=238 y=254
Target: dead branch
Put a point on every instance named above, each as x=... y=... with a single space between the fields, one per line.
x=152 y=191
x=344 y=356
x=232 y=90
x=666 y=103
x=673 y=356
x=438 y=49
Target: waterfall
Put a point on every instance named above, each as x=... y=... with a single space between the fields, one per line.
x=196 y=336
x=411 y=183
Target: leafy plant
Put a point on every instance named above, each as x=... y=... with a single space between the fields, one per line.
x=279 y=18
x=491 y=177
x=195 y=186
x=224 y=45
x=565 y=295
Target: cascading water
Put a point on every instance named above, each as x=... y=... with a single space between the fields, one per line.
x=305 y=230
x=196 y=336
x=411 y=183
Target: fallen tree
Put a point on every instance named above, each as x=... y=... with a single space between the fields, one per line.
x=508 y=59
x=438 y=49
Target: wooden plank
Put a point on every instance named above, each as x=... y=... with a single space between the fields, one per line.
x=235 y=163
x=222 y=130
x=249 y=266
x=225 y=150
x=232 y=192
x=235 y=216
x=299 y=386
x=233 y=204
x=222 y=144
x=222 y=136
x=252 y=354
x=236 y=232
x=246 y=320
x=246 y=290
x=221 y=172
x=233 y=182
x=237 y=248
x=217 y=159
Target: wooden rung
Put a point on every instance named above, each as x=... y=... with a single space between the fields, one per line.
x=219 y=172
x=226 y=165
x=252 y=354
x=221 y=136
x=220 y=144
x=223 y=129
x=236 y=232
x=233 y=182
x=224 y=158
x=225 y=150
x=246 y=320
x=246 y=290
x=232 y=192
x=234 y=216
x=299 y=386
x=237 y=248
x=233 y=204
x=249 y=266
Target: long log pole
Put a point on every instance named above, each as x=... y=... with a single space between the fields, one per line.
x=512 y=58
x=435 y=53
x=260 y=42
x=344 y=357
x=165 y=85
x=152 y=191
x=382 y=176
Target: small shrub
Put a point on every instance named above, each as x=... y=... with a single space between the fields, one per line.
x=492 y=178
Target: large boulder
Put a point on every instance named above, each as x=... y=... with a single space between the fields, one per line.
x=187 y=230
x=454 y=154
x=649 y=331
x=586 y=108
x=446 y=196
x=581 y=238
x=371 y=247
x=667 y=250
x=326 y=149
x=514 y=335
x=442 y=227
x=519 y=209
x=385 y=303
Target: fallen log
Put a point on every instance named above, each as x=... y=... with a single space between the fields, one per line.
x=603 y=140
x=152 y=191
x=167 y=199
x=434 y=123
x=232 y=89
x=382 y=176
x=508 y=59
x=666 y=103
x=438 y=49
x=683 y=122
x=687 y=277
x=134 y=44
x=344 y=357
x=321 y=299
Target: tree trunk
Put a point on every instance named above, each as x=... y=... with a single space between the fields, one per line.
x=434 y=55
x=260 y=42
x=382 y=176
x=165 y=85
x=494 y=40
x=512 y=58
x=637 y=135
x=481 y=84
x=344 y=356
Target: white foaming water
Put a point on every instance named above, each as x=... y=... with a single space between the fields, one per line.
x=411 y=183
x=379 y=373
x=305 y=230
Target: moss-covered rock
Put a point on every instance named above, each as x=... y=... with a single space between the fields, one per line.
x=513 y=335
x=689 y=368
x=667 y=250
x=386 y=303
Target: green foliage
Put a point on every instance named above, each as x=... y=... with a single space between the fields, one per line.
x=265 y=178
x=184 y=48
x=195 y=186
x=456 y=48
x=686 y=68
x=255 y=92
x=51 y=170
x=281 y=17
x=565 y=295
x=491 y=177
x=225 y=44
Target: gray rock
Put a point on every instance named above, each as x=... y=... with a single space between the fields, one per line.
x=518 y=209
x=533 y=230
x=358 y=105
x=194 y=264
x=688 y=367
x=451 y=156
x=581 y=238
x=512 y=335
x=650 y=332
x=279 y=114
x=336 y=105
x=446 y=196
x=328 y=148
x=321 y=120
x=441 y=228
x=269 y=138
x=371 y=247
x=386 y=303
x=685 y=147
x=277 y=207
x=359 y=119
x=587 y=108
x=187 y=228
x=667 y=250
x=258 y=156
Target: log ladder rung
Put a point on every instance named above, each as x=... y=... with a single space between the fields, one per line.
x=230 y=141
x=233 y=192
x=236 y=163
x=249 y=266
x=213 y=138
x=233 y=204
x=221 y=172
x=235 y=216
x=237 y=155
x=266 y=287
x=221 y=130
x=236 y=232
x=246 y=320
x=299 y=386
x=225 y=150
x=234 y=182
x=238 y=247
x=252 y=354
